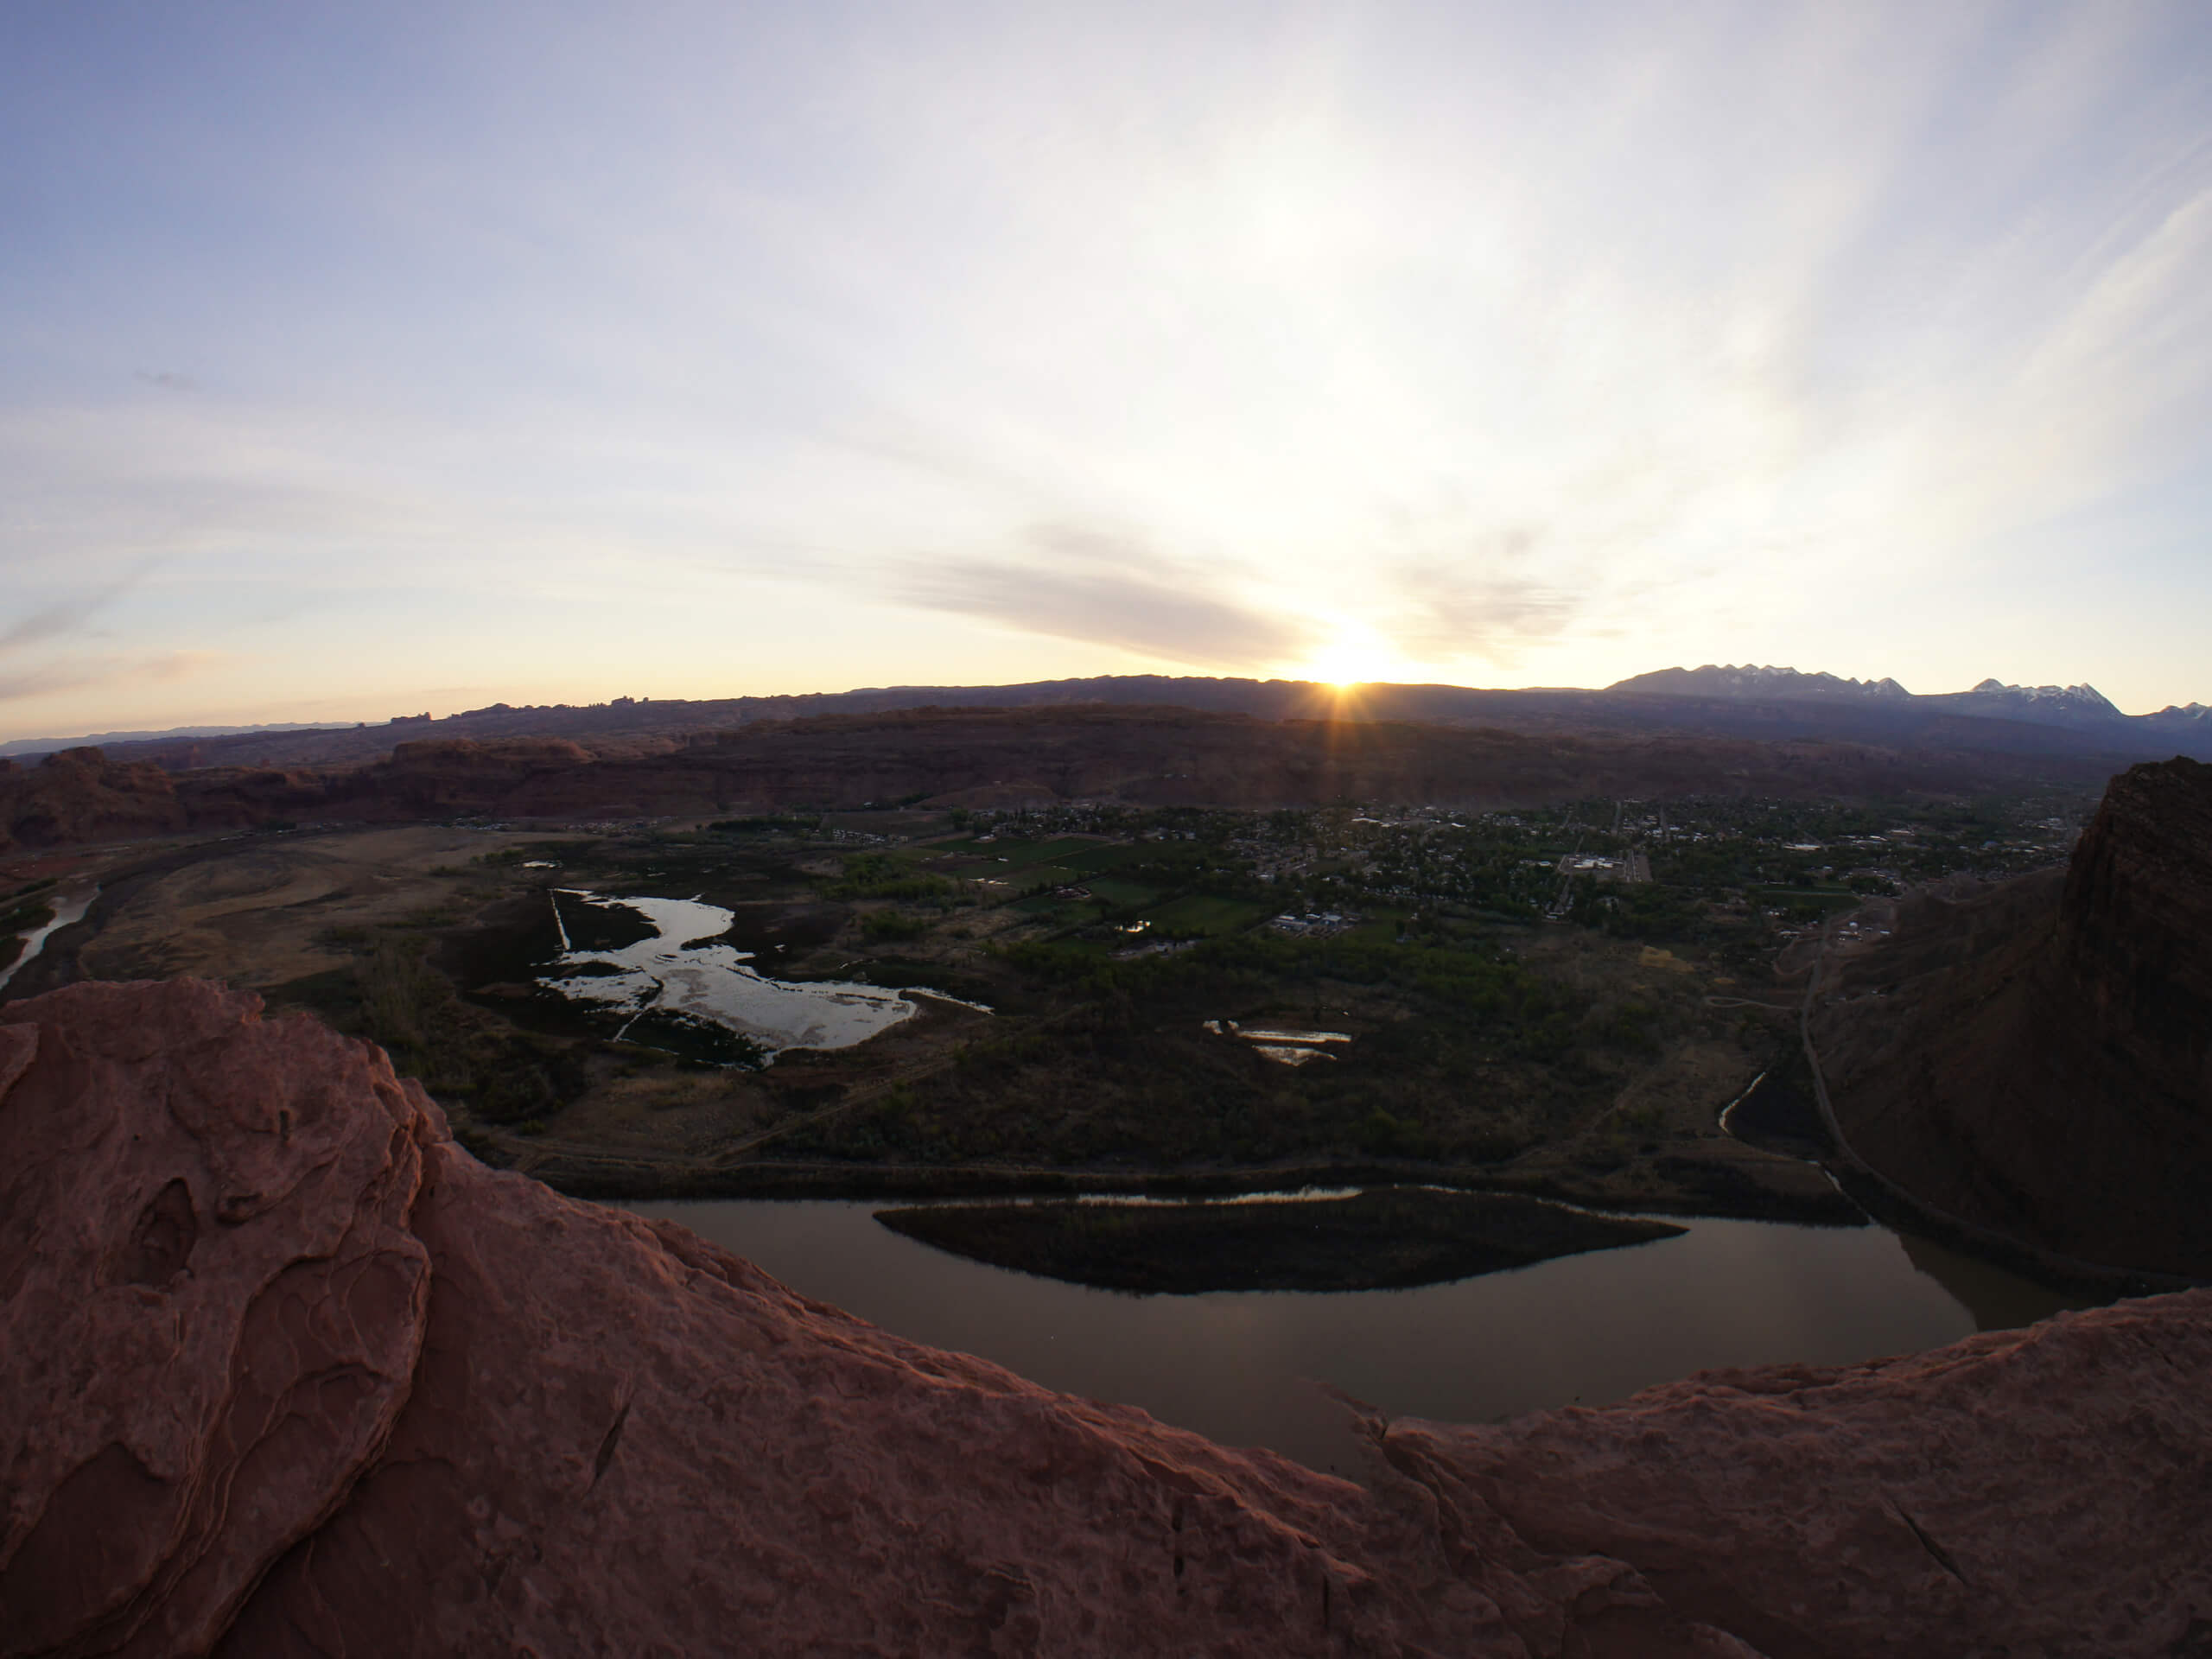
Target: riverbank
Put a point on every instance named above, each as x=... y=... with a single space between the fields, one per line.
x=1390 y=1239
x=110 y=882
x=613 y=1181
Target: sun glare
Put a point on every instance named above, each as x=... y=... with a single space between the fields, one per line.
x=1351 y=661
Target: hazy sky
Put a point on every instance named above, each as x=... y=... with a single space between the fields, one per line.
x=363 y=359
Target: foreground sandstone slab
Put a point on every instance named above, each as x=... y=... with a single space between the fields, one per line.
x=284 y=1371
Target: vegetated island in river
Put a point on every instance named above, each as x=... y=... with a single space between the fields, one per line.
x=1385 y=1240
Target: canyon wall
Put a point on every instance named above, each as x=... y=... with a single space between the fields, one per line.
x=2036 y=1057
x=283 y=1370
x=79 y=795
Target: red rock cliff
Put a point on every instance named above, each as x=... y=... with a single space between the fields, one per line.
x=77 y=795
x=2134 y=939
x=283 y=1370
x=2037 y=1059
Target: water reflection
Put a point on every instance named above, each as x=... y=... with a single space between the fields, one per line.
x=1240 y=1366
x=682 y=973
x=1999 y=1300
x=69 y=904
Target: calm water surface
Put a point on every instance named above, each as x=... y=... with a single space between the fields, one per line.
x=1241 y=1366
x=70 y=903
x=683 y=970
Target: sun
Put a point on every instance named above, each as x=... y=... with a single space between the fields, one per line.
x=1352 y=660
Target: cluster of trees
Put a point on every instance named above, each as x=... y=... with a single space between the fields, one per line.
x=463 y=1055
x=1467 y=977
x=878 y=875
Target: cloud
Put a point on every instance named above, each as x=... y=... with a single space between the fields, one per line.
x=167 y=380
x=1448 y=614
x=1107 y=588
x=1490 y=595
x=74 y=676
x=68 y=615
x=179 y=665
x=45 y=681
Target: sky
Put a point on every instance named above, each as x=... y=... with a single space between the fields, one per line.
x=361 y=361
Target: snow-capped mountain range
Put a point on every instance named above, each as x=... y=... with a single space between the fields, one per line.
x=2079 y=707
x=1726 y=680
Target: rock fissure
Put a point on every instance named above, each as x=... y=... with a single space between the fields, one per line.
x=1939 y=1555
x=607 y=1443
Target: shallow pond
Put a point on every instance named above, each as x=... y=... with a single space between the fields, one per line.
x=662 y=967
x=1241 y=1366
x=1282 y=1045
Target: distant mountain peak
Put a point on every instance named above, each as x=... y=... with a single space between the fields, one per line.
x=23 y=747
x=2076 y=700
x=1756 y=680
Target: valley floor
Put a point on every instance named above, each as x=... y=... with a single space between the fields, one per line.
x=1501 y=1026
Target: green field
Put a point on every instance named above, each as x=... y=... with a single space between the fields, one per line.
x=1015 y=851
x=1380 y=927
x=1781 y=896
x=910 y=855
x=1201 y=913
x=1066 y=846
x=1103 y=857
x=1029 y=877
x=1121 y=893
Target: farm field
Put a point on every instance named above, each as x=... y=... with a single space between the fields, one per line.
x=1205 y=914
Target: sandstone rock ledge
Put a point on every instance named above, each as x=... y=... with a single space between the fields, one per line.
x=284 y=1371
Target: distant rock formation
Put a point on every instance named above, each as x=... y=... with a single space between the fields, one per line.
x=85 y=795
x=79 y=795
x=1142 y=756
x=283 y=1370
x=2036 y=1057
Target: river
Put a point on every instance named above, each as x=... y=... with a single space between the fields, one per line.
x=70 y=904
x=1240 y=1366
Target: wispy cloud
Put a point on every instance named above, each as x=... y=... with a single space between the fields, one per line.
x=86 y=673
x=1107 y=588
x=69 y=615
x=1451 y=616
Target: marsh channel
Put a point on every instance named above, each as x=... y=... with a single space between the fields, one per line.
x=1242 y=1367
